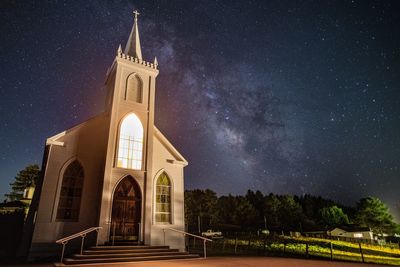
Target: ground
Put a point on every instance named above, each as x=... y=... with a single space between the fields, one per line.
x=225 y=262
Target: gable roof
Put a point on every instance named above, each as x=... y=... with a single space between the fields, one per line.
x=352 y=228
x=53 y=140
x=179 y=159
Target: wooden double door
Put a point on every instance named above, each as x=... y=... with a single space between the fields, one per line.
x=126 y=210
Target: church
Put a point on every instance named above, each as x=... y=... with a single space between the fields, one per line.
x=116 y=170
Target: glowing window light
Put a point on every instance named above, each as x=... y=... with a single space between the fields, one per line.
x=163 y=199
x=358 y=235
x=130 y=143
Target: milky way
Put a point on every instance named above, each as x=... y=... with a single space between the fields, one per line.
x=283 y=97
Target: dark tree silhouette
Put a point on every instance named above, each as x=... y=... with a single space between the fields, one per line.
x=24 y=178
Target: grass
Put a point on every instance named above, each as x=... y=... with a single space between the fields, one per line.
x=297 y=247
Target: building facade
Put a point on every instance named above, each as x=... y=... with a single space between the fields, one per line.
x=116 y=170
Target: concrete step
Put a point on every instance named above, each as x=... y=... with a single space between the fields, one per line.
x=71 y=261
x=126 y=251
x=127 y=247
x=126 y=255
x=123 y=253
x=123 y=243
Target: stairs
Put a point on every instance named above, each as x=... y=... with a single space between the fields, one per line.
x=126 y=253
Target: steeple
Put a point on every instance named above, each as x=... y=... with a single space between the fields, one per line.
x=133 y=48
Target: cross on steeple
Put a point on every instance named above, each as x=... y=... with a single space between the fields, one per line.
x=133 y=45
x=136 y=14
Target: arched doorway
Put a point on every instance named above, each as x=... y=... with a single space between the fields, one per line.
x=126 y=210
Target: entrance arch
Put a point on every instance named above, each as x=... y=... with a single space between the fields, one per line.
x=126 y=210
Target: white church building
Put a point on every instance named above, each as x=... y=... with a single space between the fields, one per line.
x=116 y=170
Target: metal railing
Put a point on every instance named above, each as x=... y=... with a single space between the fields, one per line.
x=82 y=234
x=189 y=234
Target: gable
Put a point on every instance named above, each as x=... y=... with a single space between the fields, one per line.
x=176 y=157
x=59 y=139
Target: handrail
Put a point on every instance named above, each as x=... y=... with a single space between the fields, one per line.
x=195 y=236
x=81 y=234
x=91 y=229
x=186 y=233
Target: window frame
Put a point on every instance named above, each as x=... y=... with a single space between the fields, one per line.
x=139 y=89
x=78 y=202
x=171 y=200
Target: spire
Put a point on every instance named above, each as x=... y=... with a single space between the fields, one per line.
x=133 y=45
x=155 y=62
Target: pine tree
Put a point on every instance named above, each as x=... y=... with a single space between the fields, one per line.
x=372 y=212
x=24 y=178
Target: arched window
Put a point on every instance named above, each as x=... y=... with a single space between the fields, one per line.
x=71 y=192
x=130 y=143
x=163 y=199
x=134 y=89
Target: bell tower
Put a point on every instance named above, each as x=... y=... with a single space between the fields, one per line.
x=130 y=100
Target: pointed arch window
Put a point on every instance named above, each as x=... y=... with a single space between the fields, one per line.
x=134 y=89
x=130 y=145
x=163 y=199
x=71 y=193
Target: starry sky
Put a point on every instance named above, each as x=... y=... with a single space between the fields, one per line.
x=280 y=96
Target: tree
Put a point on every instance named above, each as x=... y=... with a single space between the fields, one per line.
x=271 y=211
x=226 y=207
x=257 y=201
x=245 y=214
x=290 y=213
x=312 y=206
x=334 y=216
x=200 y=203
x=373 y=213
x=24 y=178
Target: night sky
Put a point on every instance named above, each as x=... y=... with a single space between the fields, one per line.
x=281 y=96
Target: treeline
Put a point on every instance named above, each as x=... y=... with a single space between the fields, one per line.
x=253 y=211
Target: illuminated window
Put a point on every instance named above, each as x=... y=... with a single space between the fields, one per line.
x=358 y=235
x=134 y=89
x=130 y=145
x=163 y=199
x=71 y=193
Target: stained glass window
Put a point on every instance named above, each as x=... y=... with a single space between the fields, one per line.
x=71 y=193
x=163 y=199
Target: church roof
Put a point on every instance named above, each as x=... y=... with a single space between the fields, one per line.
x=133 y=47
x=179 y=159
x=54 y=140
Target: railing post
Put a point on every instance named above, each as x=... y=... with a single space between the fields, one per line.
x=97 y=237
x=164 y=236
x=205 y=248
x=236 y=243
x=62 y=253
x=361 y=252
x=83 y=240
x=306 y=249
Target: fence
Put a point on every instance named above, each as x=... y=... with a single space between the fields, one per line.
x=257 y=244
